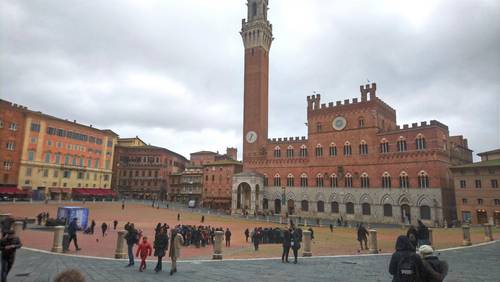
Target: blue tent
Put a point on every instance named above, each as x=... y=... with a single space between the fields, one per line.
x=68 y=213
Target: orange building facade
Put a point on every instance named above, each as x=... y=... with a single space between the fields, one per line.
x=356 y=161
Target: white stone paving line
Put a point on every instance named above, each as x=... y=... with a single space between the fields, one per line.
x=253 y=259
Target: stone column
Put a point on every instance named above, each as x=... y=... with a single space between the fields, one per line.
x=120 y=245
x=218 y=245
x=252 y=200
x=431 y=237
x=373 y=242
x=466 y=233
x=488 y=234
x=18 y=227
x=306 y=235
x=58 y=239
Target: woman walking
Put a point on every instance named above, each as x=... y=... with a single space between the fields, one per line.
x=160 y=246
x=175 y=249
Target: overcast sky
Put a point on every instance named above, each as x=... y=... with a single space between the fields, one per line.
x=171 y=72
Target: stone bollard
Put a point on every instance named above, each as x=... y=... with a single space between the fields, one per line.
x=120 y=245
x=488 y=234
x=218 y=245
x=305 y=222
x=466 y=233
x=306 y=235
x=18 y=227
x=281 y=220
x=431 y=237
x=373 y=242
x=58 y=239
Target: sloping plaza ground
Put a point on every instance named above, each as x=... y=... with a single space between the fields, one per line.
x=341 y=242
x=477 y=263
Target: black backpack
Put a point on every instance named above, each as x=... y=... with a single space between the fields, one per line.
x=407 y=269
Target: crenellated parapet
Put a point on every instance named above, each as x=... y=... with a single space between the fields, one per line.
x=297 y=139
x=421 y=125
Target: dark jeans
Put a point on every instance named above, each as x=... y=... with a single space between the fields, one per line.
x=256 y=246
x=7 y=263
x=158 y=265
x=361 y=243
x=228 y=243
x=286 y=251
x=130 y=254
x=295 y=253
x=73 y=237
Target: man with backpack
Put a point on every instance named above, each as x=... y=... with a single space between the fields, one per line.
x=132 y=238
x=405 y=264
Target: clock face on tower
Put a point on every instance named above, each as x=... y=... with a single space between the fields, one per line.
x=251 y=136
x=339 y=123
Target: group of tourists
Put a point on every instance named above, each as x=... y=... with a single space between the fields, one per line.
x=104 y=227
x=42 y=217
x=160 y=244
x=414 y=258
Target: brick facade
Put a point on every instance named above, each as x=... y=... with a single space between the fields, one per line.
x=353 y=144
x=143 y=171
x=218 y=182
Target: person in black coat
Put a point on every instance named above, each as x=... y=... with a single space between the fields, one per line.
x=7 y=225
x=132 y=238
x=412 y=235
x=405 y=251
x=92 y=227
x=287 y=241
x=228 y=237
x=423 y=234
x=104 y=228
x=295 y=244
x=161 y=246
x=362 y=236
x=8 y=245
x=72 y=228
x=247 y=234
x=115 y=223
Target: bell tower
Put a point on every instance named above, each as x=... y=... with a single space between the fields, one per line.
x=257 y=35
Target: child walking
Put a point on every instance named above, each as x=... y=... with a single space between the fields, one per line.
x=144 y=250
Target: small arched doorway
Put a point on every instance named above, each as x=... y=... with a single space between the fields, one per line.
x=405 y=214
x=291 y=206
x=277 y=206
x=244 y=196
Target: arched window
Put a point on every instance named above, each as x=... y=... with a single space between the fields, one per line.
x=423 y=180
x=349 y=208
x=303 y=151
x=420 y=142
x=333 y=180
x=335 y=207
x=265 y=204
x=401 y=144
x=289 y=152
x=347 y=149
x=277 y=152
x=404 y=182
x=388 y=210
x=319 y=180
x=386 y=180
x=319 y=150
x=363 y=148
x=254 y=9
x=365 y=209
x=348 y=180
x=425 y=212
x=266 y=180
x=365 y=180
x=303 y=180
x=384 y=146
x=304 y=205
x=290 y=180
x=361 y=122
x=321 y=206
x=333 y=150
x=277 y=180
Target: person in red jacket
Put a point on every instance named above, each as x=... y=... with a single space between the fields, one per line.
x=144 y=250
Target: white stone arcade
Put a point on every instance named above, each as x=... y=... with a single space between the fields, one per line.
x=371 y=205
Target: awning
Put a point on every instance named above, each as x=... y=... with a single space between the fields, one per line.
x=93 y=192
x=12 y=190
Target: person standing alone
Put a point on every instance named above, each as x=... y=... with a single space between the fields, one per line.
x=362 y=236
x=228 y=238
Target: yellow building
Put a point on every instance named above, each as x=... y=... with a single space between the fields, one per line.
x=59 y=155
